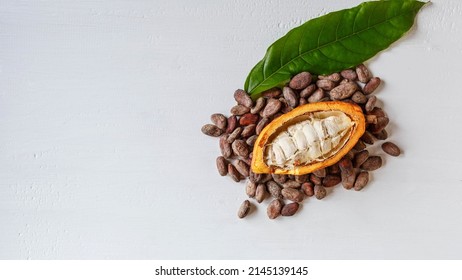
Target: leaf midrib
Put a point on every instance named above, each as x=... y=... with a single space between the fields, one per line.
x=322 y=46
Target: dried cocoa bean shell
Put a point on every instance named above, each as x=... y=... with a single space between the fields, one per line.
x=372 y=163
x=391 y=148
x=300 y=81
x=290 y=209
x=242 y=98
x=243 y=209
x=211 y=130
x=274 y=209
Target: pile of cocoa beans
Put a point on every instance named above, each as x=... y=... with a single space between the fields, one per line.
x=238 y=131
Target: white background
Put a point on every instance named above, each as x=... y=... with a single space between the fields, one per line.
x=101 y=154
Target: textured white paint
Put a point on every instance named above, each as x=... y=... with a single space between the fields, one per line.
x=101 y=155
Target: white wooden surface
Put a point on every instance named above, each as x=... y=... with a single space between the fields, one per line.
x=101 y=154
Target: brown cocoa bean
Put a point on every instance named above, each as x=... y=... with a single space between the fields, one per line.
x=315 y=179
x=219 y=120
x=261 y=124
x=391 y=149
x=361 y=180
x=279 y=178
x=302 y=178
x=271 y=108
x=250 y=188
x=343 y=91
x=359 y=146
x=364 y=75
x=346 y=166
x=316 y=96
x=239 y=110
x=360 y=158
x=272 y=93
x=379 y=112
x=243 y=168
x=370 y=104
x=292 y=194
x=372 y=163
x=232 y=123
x=308 y=189
x=334 y=77
x=331 y=180
x=274 y=209
x=259 y=105
x=300 y=81
x=211 y=130
x=290 y=209
x=254 y=177
x=233 y=173
x=240 y=148
x=367 y=138
x=266 y=178
x=334 y=169
x=349 y=74
x=381 y=123
x=222 y=166
x=359 y=97
x=234 y=135
x=325 y=84
x=260 y=193
x=251 y=140
x=243 y=209
x=291 y=184
x=290 y=97
x=225 y=147
x=320 y=172
x=274 y=189
x=248 y=130
x=319 y=191
x=248 y=118
x=285 y=108
x=372 y=85
x=302 y=101
x=242 y=98
x=381 y=135
x=306 y=92
x=348 y=180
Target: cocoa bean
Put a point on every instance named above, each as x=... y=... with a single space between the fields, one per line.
x=279 y=178
x=242 y=98
x=349 y=74
x=274 y=209
x=302 y=178
x=234 y=135
x=359 y=146
x=219 y=120
x=391 y=149
x=367 y=138
x=225 y=147
x=271 y=108
x=379 y=112
x=259 y=105
x=381 y=123
x=334 y=77
x=300 y=81
x=260 y=193
x=361 y=180
x=243 y=209
x=290 y=209
x=211 y=130
x=372 y=85
x=319 y=191
x=346 y=166
x=302 y=101
x=265 y=178
x=285 y=108
x=364 y=75
x=331 y=180
x=239 y=110
x=232 y=123
x=290 y=97
x=334 y=169
x=261 y=124
x=315 y=179
x=320 y=172
x=248 y=118
x=325 y=84
x=251 y=140
x=381 y=135
x=360 y=158
x=306 y=92
x=292 y=194
x=370 y=104
x=233 y=173
x=291 y=184
x=272 y=93
x=308 y=189
x=274 y=189
x=372 y=163
x=240 y=148
x=359 y=97
x=316 y=96
x=250 y=188
x=243 y=168
x=222 y=166
x=254 y=177
x=348 y=180
x=343 y=91
x=248 y=130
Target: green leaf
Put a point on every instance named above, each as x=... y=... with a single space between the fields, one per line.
x=333 y=42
